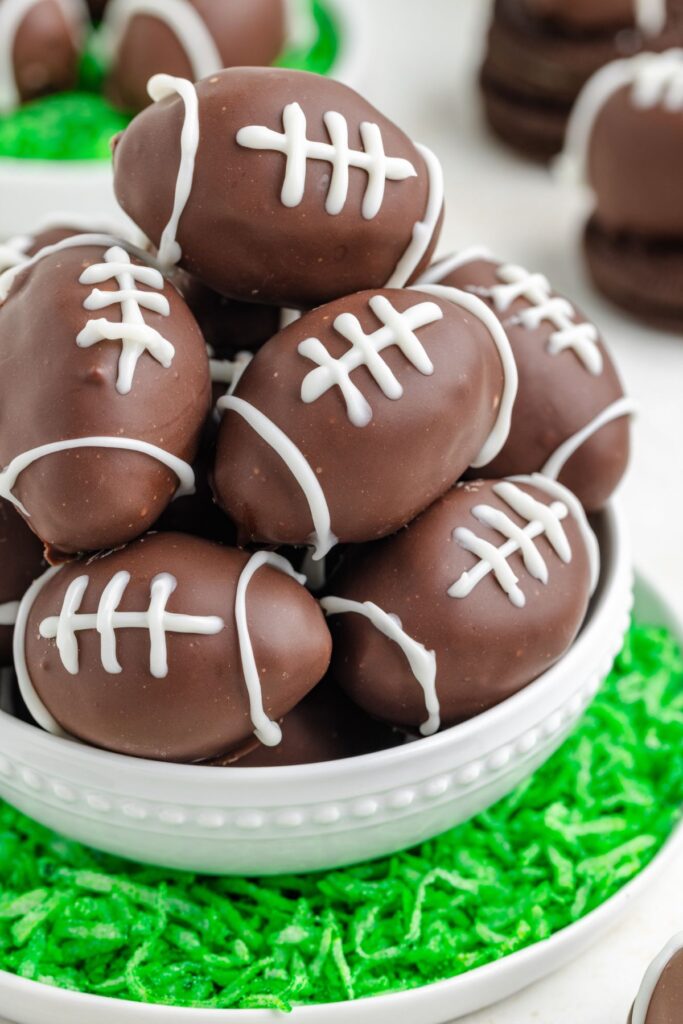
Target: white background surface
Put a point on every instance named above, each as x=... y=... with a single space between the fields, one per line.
x=423 y=75
x=422 y=56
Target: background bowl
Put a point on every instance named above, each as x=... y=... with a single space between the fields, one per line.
x=31 y=190
x=303 y=818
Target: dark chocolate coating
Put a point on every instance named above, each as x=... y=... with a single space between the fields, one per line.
x=52 y=390
x=635 y=168
x=557 y=396
x=245 y=34
x=21 y=562
x=97 y=9
x=46 y=50
x=584 y=15
x=200 y=709
x=666 y=1005
x=375 y=478
x=640 y=275
x=325 y=726
x=236 y=234
x=228 y=326
x=535 y=65
x=486 y=648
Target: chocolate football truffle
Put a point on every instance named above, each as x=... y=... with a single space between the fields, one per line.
x=21 y=562
x=626 y=138
x=172 y=648
x=356 y=417
x=570 y=420
x=53 y=229
x=541 y=53
x=660 y=999
x=466 y=606
x=104 y=392
x=325 y=726
x=278 y=186
x=187 y=38
x=40 y=45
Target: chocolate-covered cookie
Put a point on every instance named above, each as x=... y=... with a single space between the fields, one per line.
x=103 y=396
x=188 y=38
x=40 y=45
x=625 y=138
x=325 y=726
x=470 y=603
x=570 y=420
x=278 y=186
x=540 y=54
x=356 y=417
x=21 y=562
x=172 y=648
x=660 y=999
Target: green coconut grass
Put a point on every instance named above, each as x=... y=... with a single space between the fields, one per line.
x=79 y=125
x=559 y=846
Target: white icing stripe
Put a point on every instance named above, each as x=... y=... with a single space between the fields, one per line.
x=135 y=335
x=650 y=16
x=561 y=493
x=288 y=316
x=267 y=731
x=517 y=283
x=559 y=458
x=479 y=309
x=11 y=473
x=180 y=16
x=322 y=539
x=542 y=521
x=652 y=978
x=156 y=620
x=422 y=662
x=298 y=149
x=423 y=231
x=12 y=14
x=229 y=371
x=8 y=277
x=438 y=271
x=8 y=613
x=397 y=329
x=657 y=80
x=31 y=699
x=158 y=88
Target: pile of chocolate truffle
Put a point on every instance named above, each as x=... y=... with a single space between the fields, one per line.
x=603 y=81
x=42 y=42
x=304 y=492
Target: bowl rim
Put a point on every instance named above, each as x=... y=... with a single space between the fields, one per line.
x=615 y=561
x=566 y=944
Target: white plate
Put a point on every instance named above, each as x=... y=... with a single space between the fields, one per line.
x=26 y=1002
x=31 y=190
x=308 y=817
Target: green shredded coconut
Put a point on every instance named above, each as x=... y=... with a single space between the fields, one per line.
x=79 y=125
x=561 y=844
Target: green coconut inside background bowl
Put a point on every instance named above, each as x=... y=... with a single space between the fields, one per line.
x=79 y=125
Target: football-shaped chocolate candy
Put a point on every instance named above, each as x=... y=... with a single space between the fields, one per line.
x=172 y=648
x=660 y=999
x=278 y=186
x=356 y=417
x=21 y=562
x=40 y=45
x=189 y=38
x=570 y=420
x=104 y=392
x=324 y=726
x=466 y=606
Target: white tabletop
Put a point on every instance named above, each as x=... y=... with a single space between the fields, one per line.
x=421 y=66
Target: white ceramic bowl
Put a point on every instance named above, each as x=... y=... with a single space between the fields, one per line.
x=26 y=1002
x=31 y=190
x=270 y=820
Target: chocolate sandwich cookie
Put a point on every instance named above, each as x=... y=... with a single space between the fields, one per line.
x=625 y=139
x=540 y=54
